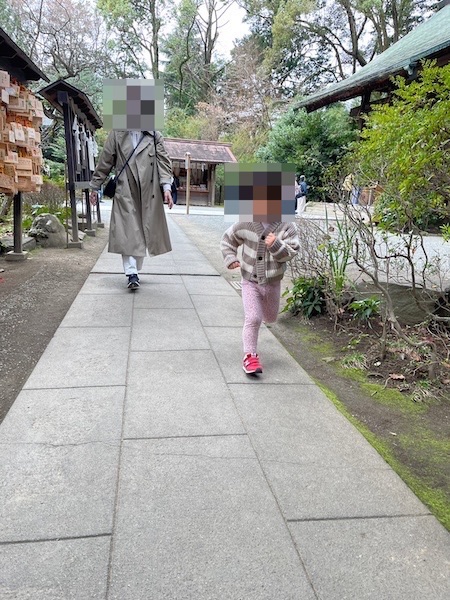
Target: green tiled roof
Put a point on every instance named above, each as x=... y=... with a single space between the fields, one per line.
x=430 y=39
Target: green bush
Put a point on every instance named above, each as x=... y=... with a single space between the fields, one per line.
x=306 y=297
x=405 y=150
x=311 y=142
x=365 y=309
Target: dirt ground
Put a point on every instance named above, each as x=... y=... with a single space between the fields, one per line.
x=35 y=295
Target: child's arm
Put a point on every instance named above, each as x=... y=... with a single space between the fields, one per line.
x=285 y=245
x=229 y=245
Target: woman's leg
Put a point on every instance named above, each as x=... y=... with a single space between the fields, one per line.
x=132 y=264
x=253 y=313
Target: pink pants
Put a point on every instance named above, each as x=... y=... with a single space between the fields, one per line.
x=261 y=303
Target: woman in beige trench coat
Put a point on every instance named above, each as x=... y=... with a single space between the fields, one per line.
x=138 y=222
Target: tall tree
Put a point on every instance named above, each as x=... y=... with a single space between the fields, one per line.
x=136 y=26
x=247 y=97
x=193 y=69
x=312 y=42
x=67 y=39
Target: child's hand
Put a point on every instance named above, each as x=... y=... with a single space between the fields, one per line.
x=234 y=265
x=271 y=237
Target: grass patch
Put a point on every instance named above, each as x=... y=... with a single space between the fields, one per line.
x=434 y=499
x=423 y=439
x=387 y=396
x=315 y=341
x=352 y=373
x=394 y=398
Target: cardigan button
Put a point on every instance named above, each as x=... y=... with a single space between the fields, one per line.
x=153 y=195
x=263 y=237
x=259 y=257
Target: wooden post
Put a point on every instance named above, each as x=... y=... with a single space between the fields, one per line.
x=188 y=180
x=63 y=99
x=89 y=229
x=17 y=253
x=213 y=185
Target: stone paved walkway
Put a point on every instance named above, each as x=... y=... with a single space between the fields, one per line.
x=140 y=463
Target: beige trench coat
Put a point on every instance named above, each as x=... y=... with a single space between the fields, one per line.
x=138 y=221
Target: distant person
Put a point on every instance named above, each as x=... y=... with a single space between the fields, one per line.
x=352 y=191
x=138 y=222
x=174 y=188
x=301 y=195
x=133 y=111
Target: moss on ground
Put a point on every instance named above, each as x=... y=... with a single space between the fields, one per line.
x=435 y=499
x=316 y=342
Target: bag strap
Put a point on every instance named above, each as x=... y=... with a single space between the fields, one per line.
x=156 y=157
x=156 y=151
x=128 y=159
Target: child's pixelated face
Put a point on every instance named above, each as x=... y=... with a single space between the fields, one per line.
x=259 y=192
x=133 y=104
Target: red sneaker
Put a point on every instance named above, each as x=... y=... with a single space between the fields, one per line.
x=251 y=364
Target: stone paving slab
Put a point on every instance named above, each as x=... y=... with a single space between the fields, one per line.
x=227 y=312
x=116 y=284
x=183 y=263
x=297 y=424
x=104 y=284
x=58 y=570
x=194 y=268
x=83 y=357
x=197 y=517
x=50 y=492
x=64 y=416
x=178 y=268
x=156 y=330
x=162 y=295
x=278 y=364
x=312 y=492
x=397 y=558
x=212 y=286
x=178 y=394
x=99 y=311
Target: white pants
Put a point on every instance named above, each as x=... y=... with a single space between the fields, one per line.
x=132 y=264
x=301 y=203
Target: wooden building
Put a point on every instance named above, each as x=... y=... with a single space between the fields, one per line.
x=21 y=115
x=204 y=158
x=429 y=40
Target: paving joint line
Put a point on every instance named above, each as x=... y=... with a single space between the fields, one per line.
x=184 y=437
x=57 y=539
x=356 y=518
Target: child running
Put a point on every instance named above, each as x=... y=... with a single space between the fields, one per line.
x=267 y=247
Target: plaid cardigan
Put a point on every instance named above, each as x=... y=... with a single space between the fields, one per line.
x=260 y=263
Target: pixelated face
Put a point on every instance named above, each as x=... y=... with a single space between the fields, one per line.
x=133 y=104
x=259 y=192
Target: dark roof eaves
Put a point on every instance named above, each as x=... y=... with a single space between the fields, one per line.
x=75 y=93
x=30 y=64
x=341 y=91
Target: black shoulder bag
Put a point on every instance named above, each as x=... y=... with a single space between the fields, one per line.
x=110 y=188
